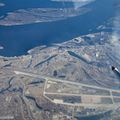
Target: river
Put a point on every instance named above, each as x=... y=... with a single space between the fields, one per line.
x=17 y=40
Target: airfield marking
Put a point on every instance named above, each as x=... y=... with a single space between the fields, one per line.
x=64 y=81
x=74 y=83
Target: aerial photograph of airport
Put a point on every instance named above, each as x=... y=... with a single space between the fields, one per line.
x=59 y=59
